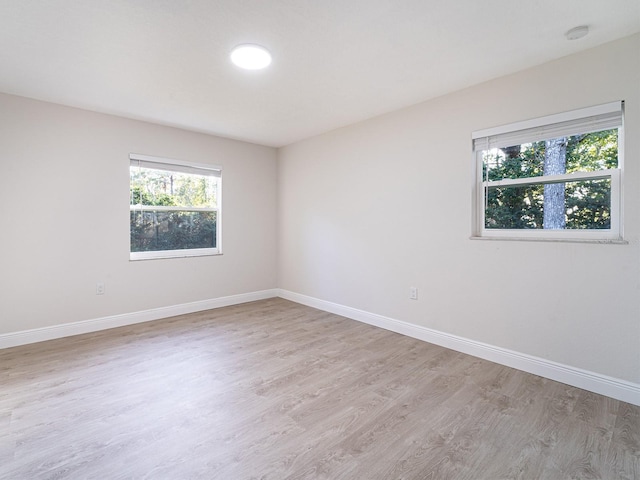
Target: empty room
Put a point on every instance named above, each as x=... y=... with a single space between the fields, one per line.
x=292 y=239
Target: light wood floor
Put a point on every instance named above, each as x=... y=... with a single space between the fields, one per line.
x=276 y=390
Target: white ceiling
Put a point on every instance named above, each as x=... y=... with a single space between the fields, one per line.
x=335 y=62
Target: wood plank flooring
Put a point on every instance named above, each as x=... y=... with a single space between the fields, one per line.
x=277 y=390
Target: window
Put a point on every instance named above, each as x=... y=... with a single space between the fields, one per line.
x=174 y=208
x=556 y=177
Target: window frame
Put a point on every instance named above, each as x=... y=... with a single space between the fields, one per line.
x=586 y=120
x=166 y=164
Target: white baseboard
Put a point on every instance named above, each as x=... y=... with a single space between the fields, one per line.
x=86 y=326
x=594 y=382
x=612 y=387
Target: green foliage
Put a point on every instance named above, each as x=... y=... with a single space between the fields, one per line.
x=514 y=207
x=592 y=152
x=195 y=192
x=152 y=229
x=140 y=197
x=521 y=207
x=159 y=187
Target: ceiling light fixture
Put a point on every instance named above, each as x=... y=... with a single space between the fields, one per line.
x=577 y=32
x=250 y=57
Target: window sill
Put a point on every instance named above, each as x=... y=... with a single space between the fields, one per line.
x=604 y=241
x=200 y=252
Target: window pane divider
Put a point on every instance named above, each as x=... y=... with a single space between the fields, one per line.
x=546 y=179
x=170 y=208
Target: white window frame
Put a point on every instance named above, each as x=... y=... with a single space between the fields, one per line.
x=585 y=120
x=147 y=161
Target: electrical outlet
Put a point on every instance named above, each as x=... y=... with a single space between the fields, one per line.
x=413 y=293
x=100 y=288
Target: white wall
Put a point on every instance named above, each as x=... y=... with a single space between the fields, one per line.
x=369 y=210
x=363 y=213
x=64 y=218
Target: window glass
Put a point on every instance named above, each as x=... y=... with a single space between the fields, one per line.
x=553 y=177
x=584 y=204
x=174 y=209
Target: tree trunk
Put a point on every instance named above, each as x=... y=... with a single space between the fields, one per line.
x=555 y=158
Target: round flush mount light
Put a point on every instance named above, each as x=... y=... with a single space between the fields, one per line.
x=577 y=32
x=250 y=57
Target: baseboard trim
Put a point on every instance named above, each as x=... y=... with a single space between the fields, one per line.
x=15 y=339
x=594 y=382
